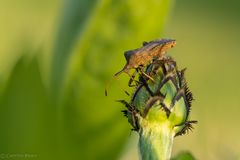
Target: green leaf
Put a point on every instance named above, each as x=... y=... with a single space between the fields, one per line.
x=74 y=17
x=26 y=117
x=184 y=156
x=92 y=122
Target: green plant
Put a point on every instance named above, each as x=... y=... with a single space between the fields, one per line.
x=184 y=156
x=58 y=115
x=159 y=110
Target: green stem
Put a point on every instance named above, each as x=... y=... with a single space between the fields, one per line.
x=156 y=141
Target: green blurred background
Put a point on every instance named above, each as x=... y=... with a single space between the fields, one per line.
x=56 y=57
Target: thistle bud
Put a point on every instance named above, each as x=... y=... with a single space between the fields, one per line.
x=159 y=108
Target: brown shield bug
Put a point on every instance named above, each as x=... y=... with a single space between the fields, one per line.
x=141 y=57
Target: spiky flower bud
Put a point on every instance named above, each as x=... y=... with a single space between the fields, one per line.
x=159 y=110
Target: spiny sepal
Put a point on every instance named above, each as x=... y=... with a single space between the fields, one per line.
x=130 y=113
x=168 y=95
x=185 y=128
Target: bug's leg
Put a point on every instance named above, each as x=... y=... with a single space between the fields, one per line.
x=145 y=84
x=133 y=80
x=148 y=76
x=145 y=74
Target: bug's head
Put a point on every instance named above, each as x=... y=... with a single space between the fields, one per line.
x=167 y=44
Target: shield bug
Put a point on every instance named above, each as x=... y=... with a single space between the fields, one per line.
x=141 y=57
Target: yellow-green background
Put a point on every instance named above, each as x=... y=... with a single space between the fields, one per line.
x=56 y=56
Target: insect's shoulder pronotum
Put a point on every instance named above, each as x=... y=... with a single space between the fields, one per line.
x=128 y=54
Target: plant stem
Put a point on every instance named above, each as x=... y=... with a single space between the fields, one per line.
x=156 y=141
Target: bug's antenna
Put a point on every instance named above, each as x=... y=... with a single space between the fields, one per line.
x=113 y=78
x=119 y=72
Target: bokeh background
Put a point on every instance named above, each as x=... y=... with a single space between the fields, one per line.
x=56 y=57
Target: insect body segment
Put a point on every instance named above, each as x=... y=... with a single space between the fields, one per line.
x=150 y=50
